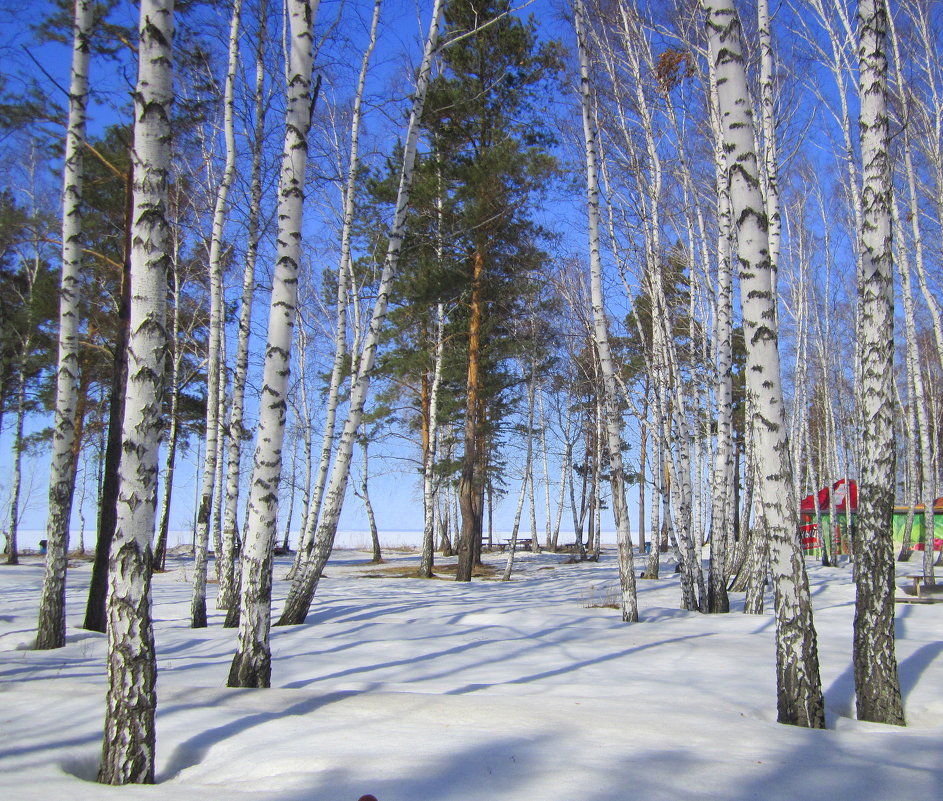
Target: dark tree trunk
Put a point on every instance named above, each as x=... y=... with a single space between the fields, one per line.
x=95 y=617
x=469 y=490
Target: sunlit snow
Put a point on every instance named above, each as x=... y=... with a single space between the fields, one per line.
x=431 y=691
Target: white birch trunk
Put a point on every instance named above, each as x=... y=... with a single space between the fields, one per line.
x=214 y=345
x=722 y=502
x=305 y=583
x=227 y=596
x=528 y=480
x=876 y=680
x=565 y=468
x=927 y=488
x=653 y=568
x=799 y=690
x=252 y=664
x=128 y=746
x=601 y=334
x=368 y=506
x=770 y=149
x=222 y=406
x=26 y=343
x=918 y=403
x=929 y=135
x=51 y=627
x=344 y=272
x=429 y=460
x=545 y=457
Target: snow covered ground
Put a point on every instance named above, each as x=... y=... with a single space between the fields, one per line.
x=431 y=691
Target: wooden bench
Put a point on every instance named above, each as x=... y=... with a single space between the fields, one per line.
x=520 y=545
x=920 y=592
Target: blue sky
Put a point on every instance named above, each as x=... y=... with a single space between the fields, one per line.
x=395 y=492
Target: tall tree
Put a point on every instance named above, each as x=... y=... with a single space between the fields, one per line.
x=128 y=745
x=799 y=690
x=344 y=271
x=95 y=610
x=485 y=115
x=306 y=581
x=252 y=664
x=51 y=627
x=877 y=685
x=613 y=423
x=227 y=598
x=31 y=290
x=214 y=366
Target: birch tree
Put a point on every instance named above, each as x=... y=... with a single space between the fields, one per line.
x=252 y=664
x=877 y=686
x=30 y=273
x=722 y=506
x=344 y=272
x=214 y=345
x=620 y=510
x=227 y=597
x=799 y=691
x=919 y=398
x=305 y=583
x=51 y=628
x=128 y=745
x=431 y=451
x=528 y=478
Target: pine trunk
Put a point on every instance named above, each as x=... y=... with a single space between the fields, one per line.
x=95 y=610
x=471 y=480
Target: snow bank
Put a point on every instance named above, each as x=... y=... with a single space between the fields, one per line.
x=429 y=690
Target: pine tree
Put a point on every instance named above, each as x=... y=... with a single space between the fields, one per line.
x=492 y=146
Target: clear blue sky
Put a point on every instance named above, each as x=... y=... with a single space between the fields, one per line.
x=395 y=489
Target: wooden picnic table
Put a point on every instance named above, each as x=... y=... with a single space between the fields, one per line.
x=919 y=592
x=521 y=544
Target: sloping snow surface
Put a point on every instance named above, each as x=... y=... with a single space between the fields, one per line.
x=431 y=690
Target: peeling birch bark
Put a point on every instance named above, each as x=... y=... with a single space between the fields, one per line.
x=51 y=626
x=877 y=685
x=252 y=663
x=128 y=745
x=799 y=690
x=620 y=510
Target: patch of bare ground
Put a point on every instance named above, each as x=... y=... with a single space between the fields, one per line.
x=442 y=572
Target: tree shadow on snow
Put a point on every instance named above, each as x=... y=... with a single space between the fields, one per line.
x=192 y=751
x=569 y=668
x=840 y=696
x=502 y=767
